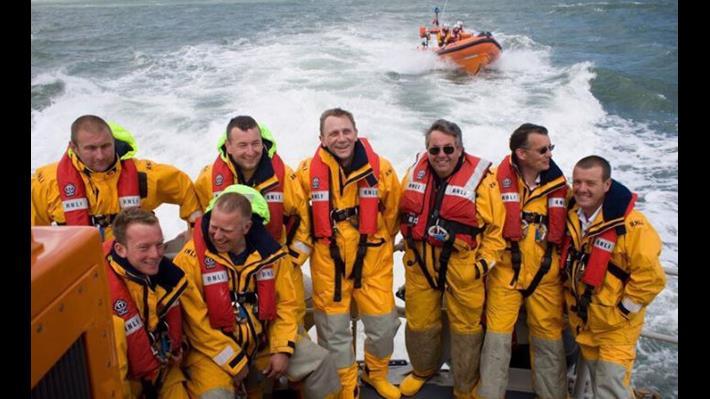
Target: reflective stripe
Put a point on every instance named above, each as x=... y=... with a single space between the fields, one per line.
x=630 y=305
x=477 y=175
x=604 y=245
x=319 y=196
x=274 y=196
x=510 y=197
x=462 y=192
x=368 y=192
x=301 y=247
x=214 y=277
x=133 y=324
x=223 y=357
x=75 y=204
x=129 y=201
x=556 y=203
x=418 y=187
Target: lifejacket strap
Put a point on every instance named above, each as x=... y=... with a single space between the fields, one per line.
x=541 y=272
x=418 y=258
x=359 y=260
x=516 y=259
x=339 y=269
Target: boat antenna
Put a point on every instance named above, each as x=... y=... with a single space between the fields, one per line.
x=444 y=8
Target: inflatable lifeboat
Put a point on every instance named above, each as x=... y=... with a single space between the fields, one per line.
x=470 y=51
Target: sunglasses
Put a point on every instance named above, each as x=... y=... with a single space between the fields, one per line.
x=448 y=150
x=543 y=150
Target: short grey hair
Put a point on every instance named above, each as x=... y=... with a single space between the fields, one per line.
x=446 y=127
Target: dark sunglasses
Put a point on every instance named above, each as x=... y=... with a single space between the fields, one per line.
x=543 y=150
x=448 y=150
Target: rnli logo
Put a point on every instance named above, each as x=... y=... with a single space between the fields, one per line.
x=219 y=179
x=120 y=307
x=507 y=183
x=209 y=262
x=69 y=190
x=420 y=174
x=316 y=182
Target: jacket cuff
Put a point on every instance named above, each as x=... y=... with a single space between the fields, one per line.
x=232 y=362
x=288 y=348
x=299 y=252
x=628 y=307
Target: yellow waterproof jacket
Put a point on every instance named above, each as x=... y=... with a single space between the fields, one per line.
x=344 y=194
x=490 y=215
x=636 y=253
x=294 y=204
x=232 y=353
x=146 y=297
x=160 y=183
x=532 y=248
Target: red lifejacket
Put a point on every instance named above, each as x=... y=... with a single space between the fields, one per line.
x=507 y=178
x=73 y=192
x=368 y=200
x=603 y=243
x=458 y=203
x=142 y=361
x=217 y=293
x=223 y=177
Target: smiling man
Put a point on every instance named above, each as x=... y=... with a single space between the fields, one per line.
x=98 y=176
x=533 y=190
x=611 y=259
x=354 y=195
x=451 y=217
x=145 y=291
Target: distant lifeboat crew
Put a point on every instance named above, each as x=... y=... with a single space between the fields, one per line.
x=443 y=35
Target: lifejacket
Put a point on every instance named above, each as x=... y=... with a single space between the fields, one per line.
x=223 y=177
x=325 y=217
x=618 y=203
x=73 y=192
x=442 y=219
x=144 y=360
x=507 y=177
x=215 y=282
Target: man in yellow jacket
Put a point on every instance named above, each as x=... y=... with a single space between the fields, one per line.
x=241 y=306
x=354 y=195
x=451 y=217
x=247 y=155
x=613 y=272
x=533 y=190
x=98 y=176
x=145 y=292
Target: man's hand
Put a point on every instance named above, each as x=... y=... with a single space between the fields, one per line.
x=241 y=375
x=277 y=366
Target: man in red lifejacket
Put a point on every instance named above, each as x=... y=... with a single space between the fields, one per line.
x=98 y=176
x=354 y=194
x=610 y=258
x=241 y=306
x=533 y=190
x=145 y=289
x=247 y=155
x=451 y=217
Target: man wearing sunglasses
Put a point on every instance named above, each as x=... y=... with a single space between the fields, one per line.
x=533 y=190
x=451 y=217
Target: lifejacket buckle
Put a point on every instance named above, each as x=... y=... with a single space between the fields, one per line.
x=438 y=233
x=240 y=314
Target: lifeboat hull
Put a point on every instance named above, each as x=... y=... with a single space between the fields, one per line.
x=472 y=53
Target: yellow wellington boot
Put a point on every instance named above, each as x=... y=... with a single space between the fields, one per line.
x=348 y=380
x=383 y=387
x=411 y=384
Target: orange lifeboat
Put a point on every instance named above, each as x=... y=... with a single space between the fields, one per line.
x=471 y=51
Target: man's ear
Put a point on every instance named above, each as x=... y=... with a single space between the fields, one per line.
x=247 y=226
x=120 y=249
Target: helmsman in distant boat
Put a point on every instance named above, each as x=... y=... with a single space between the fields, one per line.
x=610 y=259
x=98 y=176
